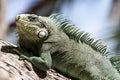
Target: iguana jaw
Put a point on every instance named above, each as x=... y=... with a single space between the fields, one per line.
x=24 y=25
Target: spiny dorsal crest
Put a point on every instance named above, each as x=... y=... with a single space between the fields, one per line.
x=74 y=33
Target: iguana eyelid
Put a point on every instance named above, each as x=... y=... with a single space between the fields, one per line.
x=42 y=24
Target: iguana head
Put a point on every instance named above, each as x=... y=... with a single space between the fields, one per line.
x=33 y=31
x=31 y=25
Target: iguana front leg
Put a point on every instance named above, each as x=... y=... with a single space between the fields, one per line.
x=44 y=62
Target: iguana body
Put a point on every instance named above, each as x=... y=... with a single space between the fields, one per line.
x=54 y=42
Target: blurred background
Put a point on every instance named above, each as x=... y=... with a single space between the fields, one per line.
x=99 y=17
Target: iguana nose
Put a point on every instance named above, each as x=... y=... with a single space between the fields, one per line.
x=17 y=18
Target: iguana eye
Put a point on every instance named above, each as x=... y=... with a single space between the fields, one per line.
x=42 y=34
x=42 y=25
x=31 y=18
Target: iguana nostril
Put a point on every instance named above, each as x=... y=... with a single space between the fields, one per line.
x=17 y=18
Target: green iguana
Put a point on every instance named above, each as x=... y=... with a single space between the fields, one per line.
x=55 y=42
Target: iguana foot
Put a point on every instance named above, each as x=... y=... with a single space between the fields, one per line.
x=41 y=63
x=22 y=53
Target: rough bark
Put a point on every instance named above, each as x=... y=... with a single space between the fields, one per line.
x=12 y=67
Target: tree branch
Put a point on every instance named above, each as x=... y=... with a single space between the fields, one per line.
x=12 y=67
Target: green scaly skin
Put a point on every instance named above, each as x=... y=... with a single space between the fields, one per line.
x=45 y=45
